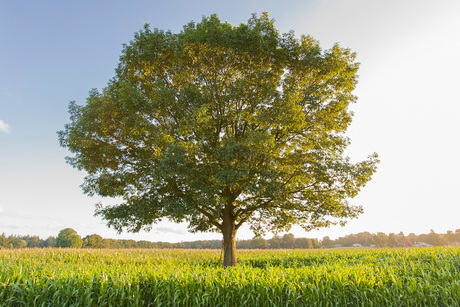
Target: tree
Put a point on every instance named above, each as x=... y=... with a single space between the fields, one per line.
x=19 y=243
x=288 y=241
x=94 y=241
x=380 y=239
x=450 y=236
x=327 y=242
x=68 y=238
x=275 y=242
x=221 y=126
x=315 y=243
x=33 y=241
x=303 y=243
x=412 y=238
x=392 y=240
x=259 y=243
x=435 y=239
x=363 y=238
x=50 y=242
x=457 y=235
x=370 y=241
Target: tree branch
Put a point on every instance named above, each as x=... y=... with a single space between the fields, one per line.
x=210 y=217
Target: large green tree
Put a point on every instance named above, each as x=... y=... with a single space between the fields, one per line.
x=68 y=238
x=222 y=125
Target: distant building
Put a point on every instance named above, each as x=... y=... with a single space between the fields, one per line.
x=357 y=245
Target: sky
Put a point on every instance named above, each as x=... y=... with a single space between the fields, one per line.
x=53 y=52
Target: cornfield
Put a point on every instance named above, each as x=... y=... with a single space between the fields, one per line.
x=353 y=277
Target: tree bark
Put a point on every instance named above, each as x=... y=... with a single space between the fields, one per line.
x=229 y=232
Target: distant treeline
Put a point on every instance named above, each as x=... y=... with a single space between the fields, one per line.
x=394 y=240
x=69 y=238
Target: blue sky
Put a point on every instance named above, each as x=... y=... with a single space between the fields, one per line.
x=53 y=52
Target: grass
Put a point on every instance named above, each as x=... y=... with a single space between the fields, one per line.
x=353 y=277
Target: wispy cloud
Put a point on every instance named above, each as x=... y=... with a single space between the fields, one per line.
x=4 y=127
x=8 y=226
x=166 y=229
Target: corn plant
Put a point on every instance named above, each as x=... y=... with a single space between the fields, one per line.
x=363 y=277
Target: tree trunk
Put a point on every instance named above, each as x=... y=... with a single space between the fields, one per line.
x=229 y=232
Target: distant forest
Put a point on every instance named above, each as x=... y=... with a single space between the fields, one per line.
x=69 y=238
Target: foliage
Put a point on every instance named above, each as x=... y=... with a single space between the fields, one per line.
x=363 y=238
x=50 y=242
x=94 y=241
x=384 y=277
x=259 y=243
x=382 y=240
x=11 y=242
x=222 y=125
x=287 y=240
x=392 y=240
x=68 y=238
x=327 y=242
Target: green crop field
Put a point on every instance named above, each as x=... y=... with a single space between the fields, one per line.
x=353 y=277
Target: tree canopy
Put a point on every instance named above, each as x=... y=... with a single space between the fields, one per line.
x=220 y=126
x=94 y=241
x=68 y=237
